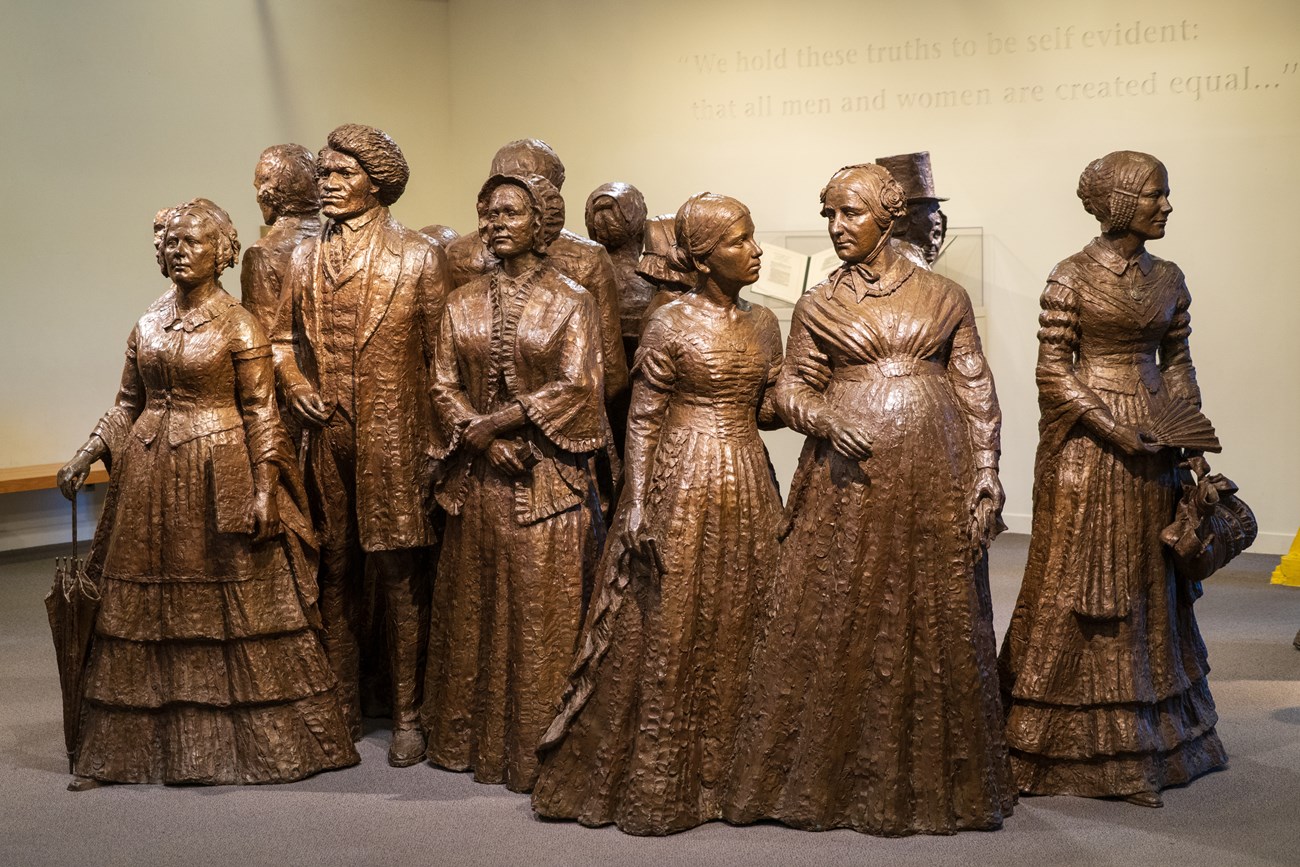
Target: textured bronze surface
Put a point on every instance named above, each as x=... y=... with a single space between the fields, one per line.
x=353 y=343
x=285 y=181
x=647 y=732
x=581 y=260
x=657 y=244
x=1103 y=666
x=615 y=217
x=517 y=386
x=919 y=234
x=873 y=701
x=204 y=666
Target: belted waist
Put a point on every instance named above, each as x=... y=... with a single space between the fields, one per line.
x=720 y=420
x=1120 y=372
x=185 y=417
x=889 y=368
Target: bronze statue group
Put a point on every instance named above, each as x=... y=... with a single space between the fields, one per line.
x=508 y=490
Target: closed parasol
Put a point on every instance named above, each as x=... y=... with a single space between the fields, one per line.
x=72 y=604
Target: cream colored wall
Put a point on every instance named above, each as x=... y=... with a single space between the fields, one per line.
x=619 y=90
x=113 y=110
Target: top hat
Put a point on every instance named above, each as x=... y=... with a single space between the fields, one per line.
x=912 y=171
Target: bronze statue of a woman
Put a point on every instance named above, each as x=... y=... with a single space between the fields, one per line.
x=519 y=407
x=1103 y=666
x=873 y=699
x=647 y=732
x=205 y=666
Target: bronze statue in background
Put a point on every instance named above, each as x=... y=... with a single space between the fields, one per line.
x=873 y=699
x=160 y=221
x=647 y=732
x=1103 y=666
x=204 y=666
x=615 y=217
x=919 y=234
x=581 y=260
x=285 y=180
x=442 y=235
x=519 y=412
x=668 y=282
x=352 y=346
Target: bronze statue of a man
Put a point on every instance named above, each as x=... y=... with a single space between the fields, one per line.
x=362 y=306
x=919 y=235
x=285 y=181
x=583 y=261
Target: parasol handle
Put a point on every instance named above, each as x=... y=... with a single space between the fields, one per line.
x=74 y=525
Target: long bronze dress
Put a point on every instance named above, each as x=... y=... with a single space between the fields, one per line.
x=647 y=733
x=1103 y=663
x=204 y=666
x=507 y=599
x=874 y=702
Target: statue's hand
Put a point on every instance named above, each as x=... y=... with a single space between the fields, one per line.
x=814 y=369
x=849 y=437
x=1132 y=440
x=502 y=455
x=986 y=503
x=307 y=405
x=479 y=433
x=266 y=516
x=72 y=475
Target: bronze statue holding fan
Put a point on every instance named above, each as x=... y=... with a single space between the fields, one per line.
x=1103 y=669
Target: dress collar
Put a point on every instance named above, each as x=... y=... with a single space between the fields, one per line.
x=862 y=280
x=1106 y=257
x=174 y=319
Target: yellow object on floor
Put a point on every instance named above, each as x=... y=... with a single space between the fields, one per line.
x=1288 y=571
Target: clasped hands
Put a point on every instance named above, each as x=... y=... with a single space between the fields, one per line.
x=481 y=434
x=847 y=436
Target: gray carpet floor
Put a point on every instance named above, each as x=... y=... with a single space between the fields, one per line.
x=372 y=814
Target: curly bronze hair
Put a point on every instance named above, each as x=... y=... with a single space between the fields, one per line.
x=379 y=156
x=1110 y=185
x=211 y=212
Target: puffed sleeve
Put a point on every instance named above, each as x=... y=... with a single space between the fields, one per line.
x=972 y=381
x=1175 y=354
x=1063 y=399
x=115 y=425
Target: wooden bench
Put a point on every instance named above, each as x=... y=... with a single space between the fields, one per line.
x=40 y=477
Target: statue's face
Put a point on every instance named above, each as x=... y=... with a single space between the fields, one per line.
x=190 y=250
x=1153 y=208
x=925 y=227
x=345 y=188
x=265 y=178
x=507 y=226
x=606 y=225
x=736 y=259
x=851 y=223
